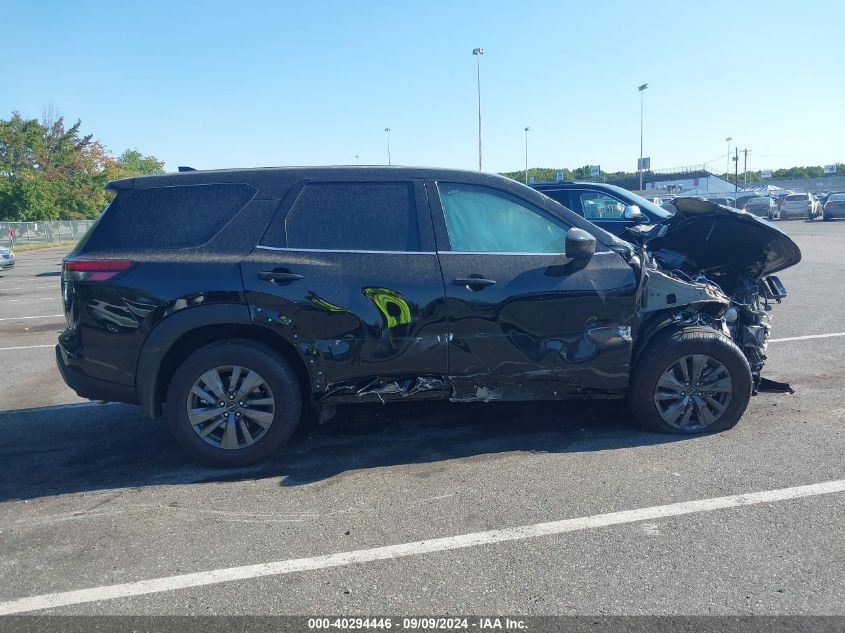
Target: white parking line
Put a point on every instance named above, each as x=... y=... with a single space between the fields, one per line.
x=56 y=287
x=42 y=316
x=6 y=349
x=805 y=338
x=56 y=298
x=416 y=548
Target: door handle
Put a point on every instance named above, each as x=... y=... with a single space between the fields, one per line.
x=474 y=283
x=279 y=277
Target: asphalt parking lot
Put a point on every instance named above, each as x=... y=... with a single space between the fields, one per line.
x=101 y=513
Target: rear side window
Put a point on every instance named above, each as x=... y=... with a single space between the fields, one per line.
x=167 y=217
x=354 y=217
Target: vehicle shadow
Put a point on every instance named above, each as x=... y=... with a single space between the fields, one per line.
x=72 y=449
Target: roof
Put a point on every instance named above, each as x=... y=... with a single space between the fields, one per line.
x=264 y=175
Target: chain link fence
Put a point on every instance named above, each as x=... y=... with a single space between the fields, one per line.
x=55 y=232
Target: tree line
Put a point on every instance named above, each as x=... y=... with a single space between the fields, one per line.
x=49 y=171
x=549 y=174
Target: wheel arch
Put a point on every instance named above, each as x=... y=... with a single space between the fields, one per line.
x=664 y=321
x=177 y=336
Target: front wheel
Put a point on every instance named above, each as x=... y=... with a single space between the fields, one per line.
x=233 y=403
x=692 y=380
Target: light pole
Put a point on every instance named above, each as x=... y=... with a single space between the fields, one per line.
x=640 y=165
x=728 y=162
x=526 y=154
x=478 y=52
x=357 y=162
x=387 y=130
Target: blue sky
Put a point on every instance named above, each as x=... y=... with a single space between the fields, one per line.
x=224 y=84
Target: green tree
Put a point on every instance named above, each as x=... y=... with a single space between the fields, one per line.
x=48 y=171
x=135 y=163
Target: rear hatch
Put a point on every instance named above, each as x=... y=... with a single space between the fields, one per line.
x=148 y=254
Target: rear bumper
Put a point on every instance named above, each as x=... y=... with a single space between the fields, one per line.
x=92 y=388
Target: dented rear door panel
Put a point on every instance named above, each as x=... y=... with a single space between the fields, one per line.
x=368 y=325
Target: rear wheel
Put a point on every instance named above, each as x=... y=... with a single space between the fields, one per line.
x=233 y=403
x=693 y=380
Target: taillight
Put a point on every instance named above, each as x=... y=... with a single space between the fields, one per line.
x=94 y=269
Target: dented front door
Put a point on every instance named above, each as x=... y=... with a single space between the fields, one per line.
x=525 y=322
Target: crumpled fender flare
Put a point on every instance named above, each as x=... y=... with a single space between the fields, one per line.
x=164 y=335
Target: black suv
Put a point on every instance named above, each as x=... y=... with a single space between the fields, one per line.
x=235 y=298
x=612 y=208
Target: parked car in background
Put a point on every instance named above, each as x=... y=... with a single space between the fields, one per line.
x=724 y=201
x=612 y=208
x=834 y=207
x=742 y=199
x=800 y=205
x=761 y=206
x=7 y=258
x=779 y=197
x=234 y=300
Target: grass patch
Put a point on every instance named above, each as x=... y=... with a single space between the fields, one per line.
x=20 y=247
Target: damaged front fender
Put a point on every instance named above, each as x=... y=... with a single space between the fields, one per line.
x=660 y=291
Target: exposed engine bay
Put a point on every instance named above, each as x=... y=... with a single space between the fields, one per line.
x=712 y=265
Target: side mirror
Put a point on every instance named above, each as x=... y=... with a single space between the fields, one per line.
x=632 y=212
x=580 y=245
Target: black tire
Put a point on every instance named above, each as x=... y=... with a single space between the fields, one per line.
x=274 y=370
x=665 y=350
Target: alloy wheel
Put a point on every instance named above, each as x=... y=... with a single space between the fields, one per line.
x=230 y=407
x=693 y=392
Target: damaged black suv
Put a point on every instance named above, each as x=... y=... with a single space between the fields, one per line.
x=233 y=299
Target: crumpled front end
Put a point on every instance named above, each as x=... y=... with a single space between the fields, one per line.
x=712 y=265
x=740 y=310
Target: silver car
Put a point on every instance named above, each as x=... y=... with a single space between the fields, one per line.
x=7 y=258
x=762 y=206
x=800 y=205
x=835 y=206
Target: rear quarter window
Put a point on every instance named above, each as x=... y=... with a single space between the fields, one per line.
x=167 y=217
x=354 y=216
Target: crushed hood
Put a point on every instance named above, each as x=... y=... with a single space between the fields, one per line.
x=722 y=241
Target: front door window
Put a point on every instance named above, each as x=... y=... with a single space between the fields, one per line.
x=482 y=220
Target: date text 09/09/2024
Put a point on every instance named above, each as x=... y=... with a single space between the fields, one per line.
x=416 y=623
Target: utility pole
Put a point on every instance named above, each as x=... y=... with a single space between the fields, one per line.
x=526 y=154
x=745 y=167
x=736 y=170
x=478 y=52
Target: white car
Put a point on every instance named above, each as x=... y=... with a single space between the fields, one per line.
x=7 y=258
x=800 y=205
